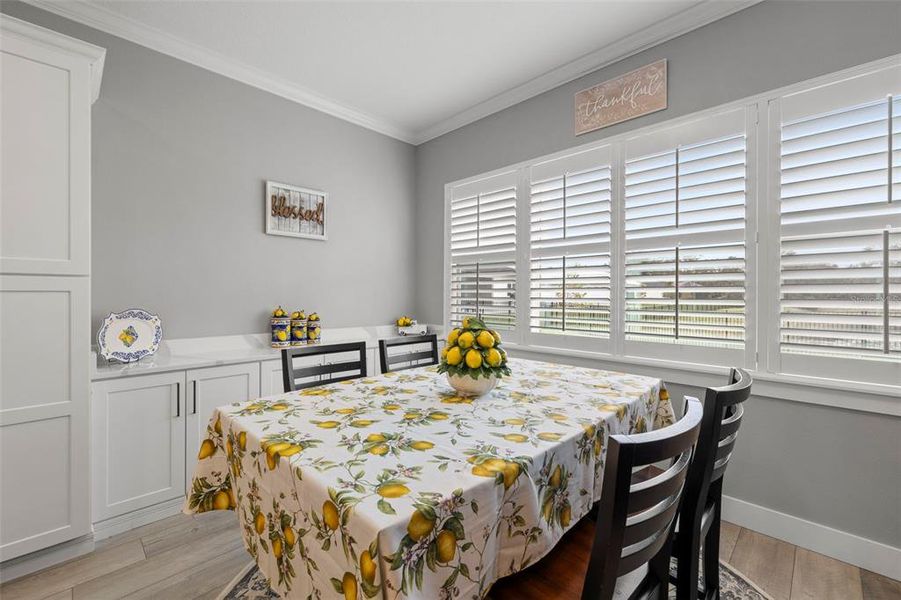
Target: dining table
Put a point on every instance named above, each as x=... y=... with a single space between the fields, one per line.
x=394 y=486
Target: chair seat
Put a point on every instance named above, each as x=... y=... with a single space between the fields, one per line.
x=561 y=574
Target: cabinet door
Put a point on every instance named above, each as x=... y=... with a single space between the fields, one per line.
x=44 y=395
x=139 y=442
x=271 y=382
x=212 y=387
x=45 y=158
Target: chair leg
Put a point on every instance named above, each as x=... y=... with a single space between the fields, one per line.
x=687 y=555
x=712 y=545
x=659 y=569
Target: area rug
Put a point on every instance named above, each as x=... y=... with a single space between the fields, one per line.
x=250 y=584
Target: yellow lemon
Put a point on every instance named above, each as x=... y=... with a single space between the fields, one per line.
x=375 y=437
x=664 y=395
x=259 y=523
x=454 y=356
x=481 y=471
x=515 y=421
x=466 y=339
x=279 y=312
x=273 y=449
x=422 y=445
x=496 y=336
x=361 y=423
x=447 y=546
x=511 y=471
x=349 y=585
x=328 y=424
x=367 y=567
x=229 y=449
x=566 y=515
x=411 y=415
x=598 y=446
x=281 y=335
x=516 y=437
x=221 y=500
x=391 y=406
x=465 y=322
x=218 y=426
x=444 y=352
x=589 y=430
x=291 y=450
x=420 y=525
x=556 y=478
x=547 y=436
x=290 y=536
x=392 y=490
x=279 y=406
x=485 y=339
x=242 y=440
x=207 y=449
x=438 y=416
x=277 y=547
x=345 y=411
x=272 y=461
x=473 y=359
x=379 y=450
x=452 y=337
x=330 y=515
x=556 y=416
x=493 y=357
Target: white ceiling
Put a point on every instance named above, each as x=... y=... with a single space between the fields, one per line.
x=413 y=70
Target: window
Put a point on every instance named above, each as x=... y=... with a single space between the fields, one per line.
x=569 y=270
x=483 y=252
x=685 y=234
x=840 y=221
x=765 y=234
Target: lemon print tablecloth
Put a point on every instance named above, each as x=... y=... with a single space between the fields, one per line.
x=394 y=487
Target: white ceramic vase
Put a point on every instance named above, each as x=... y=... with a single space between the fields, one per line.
x=467 y=386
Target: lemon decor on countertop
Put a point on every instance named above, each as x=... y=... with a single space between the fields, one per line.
x=280 y=324
x=405 y=321
x=473 y=358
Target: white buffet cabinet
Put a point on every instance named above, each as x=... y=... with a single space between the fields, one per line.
x=148 y=418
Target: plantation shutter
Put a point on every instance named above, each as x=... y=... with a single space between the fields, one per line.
x=840 y=218
x=483 y=251
x=685 y=233
x=570 y=223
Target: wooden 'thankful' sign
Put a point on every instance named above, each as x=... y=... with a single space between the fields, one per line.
x=634 y=94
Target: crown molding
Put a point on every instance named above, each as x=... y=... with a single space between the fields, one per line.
x=111 y=22
x=52 y=39
x=663 y=31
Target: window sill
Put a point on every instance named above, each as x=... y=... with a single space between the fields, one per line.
x=838 y=393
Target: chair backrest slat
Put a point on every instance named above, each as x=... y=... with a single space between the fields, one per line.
x=421 y=358
x=635 y=521
x=350 y=369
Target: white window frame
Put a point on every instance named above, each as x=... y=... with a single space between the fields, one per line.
x=838 y=386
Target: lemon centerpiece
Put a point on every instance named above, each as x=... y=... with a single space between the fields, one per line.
x=473 y=358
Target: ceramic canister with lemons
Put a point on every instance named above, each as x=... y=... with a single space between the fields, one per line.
x=473 y=358
x=280 y=324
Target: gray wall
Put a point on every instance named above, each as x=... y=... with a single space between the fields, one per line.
x=831 y=466
x=764 y=47
x=180 y=157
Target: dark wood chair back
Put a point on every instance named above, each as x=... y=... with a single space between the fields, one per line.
x=346 y=369
x=699 y=517
x=408 y=360
x=635 y=520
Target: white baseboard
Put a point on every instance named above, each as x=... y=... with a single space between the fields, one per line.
x=840 y=545
x=42 y=559
x=137 y=518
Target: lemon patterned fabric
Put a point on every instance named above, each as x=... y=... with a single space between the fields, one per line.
x=394 y=487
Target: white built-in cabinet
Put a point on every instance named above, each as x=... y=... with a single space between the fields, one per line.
x=47 y=82
x=147 y=429
x=209 y=388
x=138 y=442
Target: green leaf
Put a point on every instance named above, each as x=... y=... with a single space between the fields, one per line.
x=339 y=587
x=385 y=507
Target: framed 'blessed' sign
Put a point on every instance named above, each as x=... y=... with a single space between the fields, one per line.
x=295 y=211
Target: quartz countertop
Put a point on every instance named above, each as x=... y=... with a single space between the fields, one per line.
x=197 y=353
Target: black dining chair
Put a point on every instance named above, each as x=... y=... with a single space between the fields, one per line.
x=329 y=372
x=630 y=544
x=412 y=359
x=698 y=536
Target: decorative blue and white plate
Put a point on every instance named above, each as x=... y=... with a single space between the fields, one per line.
x=129 y=335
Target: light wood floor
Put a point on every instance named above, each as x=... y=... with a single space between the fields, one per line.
x=196 y=556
